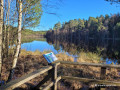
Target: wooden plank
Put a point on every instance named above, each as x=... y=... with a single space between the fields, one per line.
x=48 y=87
x=94 y=81
x=58 y=79
x=46 y=78
x=15 y=83
x=52 y=83
x=90 y=64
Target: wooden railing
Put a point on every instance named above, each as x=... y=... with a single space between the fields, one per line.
x=52 y=70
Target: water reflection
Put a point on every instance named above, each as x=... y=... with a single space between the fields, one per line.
x=108 y=51
x=103 y=51
x=38 y=45
x=110 y=61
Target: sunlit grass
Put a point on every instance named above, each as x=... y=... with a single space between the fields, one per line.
x=89 y=57
x=83 y=57
x=64 y=57
x=61 y=56
x=37 y=52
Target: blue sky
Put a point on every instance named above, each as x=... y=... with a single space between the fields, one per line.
x=74 y=9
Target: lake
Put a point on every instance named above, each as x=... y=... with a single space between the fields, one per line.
x=106 y=51
x=42 y=46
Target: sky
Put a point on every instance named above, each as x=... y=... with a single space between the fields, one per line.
x=73 y=9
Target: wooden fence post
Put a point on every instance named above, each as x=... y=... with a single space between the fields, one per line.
x=103 y=72
x=54 y=77
x=103 y=75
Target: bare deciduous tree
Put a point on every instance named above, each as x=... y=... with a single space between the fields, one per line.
x=1 y=29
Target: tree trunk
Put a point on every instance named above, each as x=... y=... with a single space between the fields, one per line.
x=19 y=35
x=7 y=36
x=1 y=29
x=18 y=41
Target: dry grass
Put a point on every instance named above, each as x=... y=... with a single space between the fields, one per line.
x=29 y=61
x=64 y=57
x=89 y=57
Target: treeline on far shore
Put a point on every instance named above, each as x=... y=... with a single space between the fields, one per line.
x=31 y=33
x=26 y=33
x=99 y=28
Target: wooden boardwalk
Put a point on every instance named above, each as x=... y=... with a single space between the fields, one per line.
x=52 y=70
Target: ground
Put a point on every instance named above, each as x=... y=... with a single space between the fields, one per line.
x=30 y=61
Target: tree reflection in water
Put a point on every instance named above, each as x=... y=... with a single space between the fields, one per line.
x=104 y=50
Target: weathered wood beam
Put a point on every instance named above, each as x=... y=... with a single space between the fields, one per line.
x=46 y=78
x=48 y=87
x=90 y=64
x=52 y=83
x=15 y=83
x=94 y=81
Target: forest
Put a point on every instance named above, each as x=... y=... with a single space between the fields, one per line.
x=98 y=35
x=99 y=28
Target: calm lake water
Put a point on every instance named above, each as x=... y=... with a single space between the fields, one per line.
x=43 y=46
x=108 y=54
